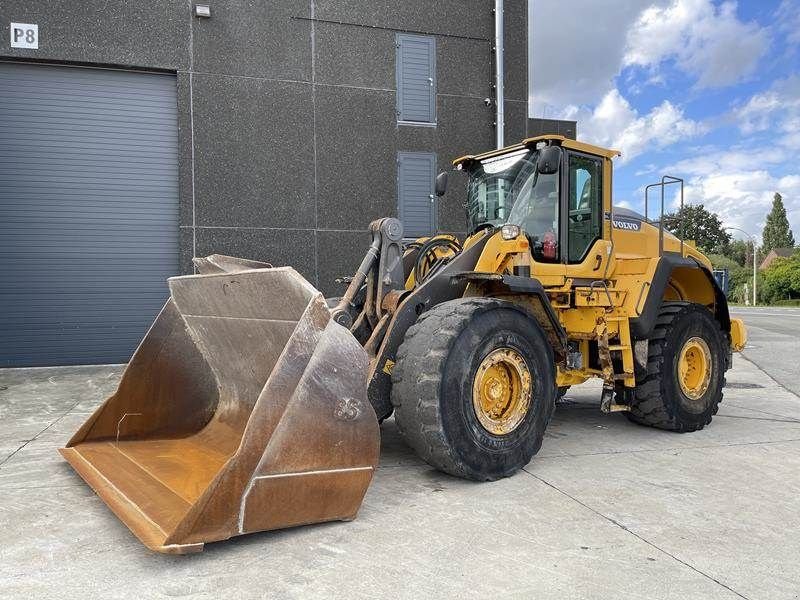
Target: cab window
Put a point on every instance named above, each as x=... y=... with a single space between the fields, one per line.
x=536 y=212
x=585 y=202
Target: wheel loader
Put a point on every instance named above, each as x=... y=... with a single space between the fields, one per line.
x=254 y=403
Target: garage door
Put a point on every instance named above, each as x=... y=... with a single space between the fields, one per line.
x=88 y=211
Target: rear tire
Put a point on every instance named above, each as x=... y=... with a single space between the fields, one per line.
x=666 y=398
x=442 y=362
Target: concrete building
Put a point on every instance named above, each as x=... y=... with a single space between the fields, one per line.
x=569 y=129
x=138 y=135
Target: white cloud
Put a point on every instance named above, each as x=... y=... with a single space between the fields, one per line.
x=743 y=199
x=648 y=169
x=576 y=50
x=738 y=185
x=788 y=18
x=776 y=110
x=705 y=39
x=708 y=160
x=708 y=42
x=791 y=130
x=579 y=47
x=755 y=114
x=777 y=107
x=577 y=80
x=615 y=123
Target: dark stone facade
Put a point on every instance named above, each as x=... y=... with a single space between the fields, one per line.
x=288 y=131
x=569 y=129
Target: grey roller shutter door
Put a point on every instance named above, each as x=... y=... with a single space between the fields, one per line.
x=415 y=193
x=416 y=78
x=88 y=211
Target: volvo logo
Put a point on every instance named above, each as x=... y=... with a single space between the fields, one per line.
x=619 y=223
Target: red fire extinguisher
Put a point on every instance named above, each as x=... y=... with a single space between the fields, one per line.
x=549 y=245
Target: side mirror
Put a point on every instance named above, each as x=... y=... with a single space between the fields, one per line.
x=549 y=160
x=441 y=183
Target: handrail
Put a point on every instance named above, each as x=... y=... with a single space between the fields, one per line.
x=605 y=287
x=665 y=181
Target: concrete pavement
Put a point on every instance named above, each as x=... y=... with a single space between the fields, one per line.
x=607 y=509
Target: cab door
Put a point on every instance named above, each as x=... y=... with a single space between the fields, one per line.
x=585 y=252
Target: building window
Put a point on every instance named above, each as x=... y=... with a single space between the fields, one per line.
x=416 y=79
x=416 y=202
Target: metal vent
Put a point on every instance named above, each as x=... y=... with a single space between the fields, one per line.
x=415 y=193
x=416 y=78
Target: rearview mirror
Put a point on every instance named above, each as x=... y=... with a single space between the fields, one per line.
x=441 y=183
x=549 y=160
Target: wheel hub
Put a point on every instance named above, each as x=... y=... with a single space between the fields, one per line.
x=694 y=368
x=501 y=391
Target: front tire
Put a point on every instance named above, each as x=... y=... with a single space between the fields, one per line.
x=681 y=387
x=473 y=387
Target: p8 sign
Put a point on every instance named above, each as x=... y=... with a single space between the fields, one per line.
x=24 y=35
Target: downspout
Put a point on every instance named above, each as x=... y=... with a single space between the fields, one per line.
x=500 y=99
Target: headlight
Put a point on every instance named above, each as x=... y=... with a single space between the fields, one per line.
x=510 y=232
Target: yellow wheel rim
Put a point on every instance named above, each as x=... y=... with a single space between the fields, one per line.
x=501 y=391
x=694 y=368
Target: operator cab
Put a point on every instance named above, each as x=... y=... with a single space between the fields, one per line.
x=550 y=189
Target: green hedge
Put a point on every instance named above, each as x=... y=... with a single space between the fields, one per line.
x=794 y=302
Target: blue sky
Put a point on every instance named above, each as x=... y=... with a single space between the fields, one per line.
x=701 y=89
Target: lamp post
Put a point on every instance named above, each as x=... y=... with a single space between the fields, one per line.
x=753 y=240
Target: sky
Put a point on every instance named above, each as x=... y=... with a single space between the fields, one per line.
x=700 y=89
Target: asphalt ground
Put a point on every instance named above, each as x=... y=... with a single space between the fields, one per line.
x=774 y=341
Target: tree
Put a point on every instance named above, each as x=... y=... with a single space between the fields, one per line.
x=741 y=252
x=782 y=279
x=738 y=275
x=776 y=231
x=719 y=261
x=741 y=280
x=700 y=225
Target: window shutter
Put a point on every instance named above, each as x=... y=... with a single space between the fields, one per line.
x=415 y=193
x=416 y=78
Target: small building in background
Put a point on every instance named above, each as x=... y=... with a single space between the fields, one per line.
x=568 y=129
x=773 y=254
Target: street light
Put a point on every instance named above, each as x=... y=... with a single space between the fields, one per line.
x=752 y=239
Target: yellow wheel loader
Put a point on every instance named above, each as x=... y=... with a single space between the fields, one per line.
x=253 y=403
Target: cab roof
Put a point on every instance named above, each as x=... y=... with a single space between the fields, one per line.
x=559 y=140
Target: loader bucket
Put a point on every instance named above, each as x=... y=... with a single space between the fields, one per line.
x=243 y=409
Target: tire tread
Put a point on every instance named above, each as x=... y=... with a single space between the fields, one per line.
x=647 y=403
x=417 y=375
